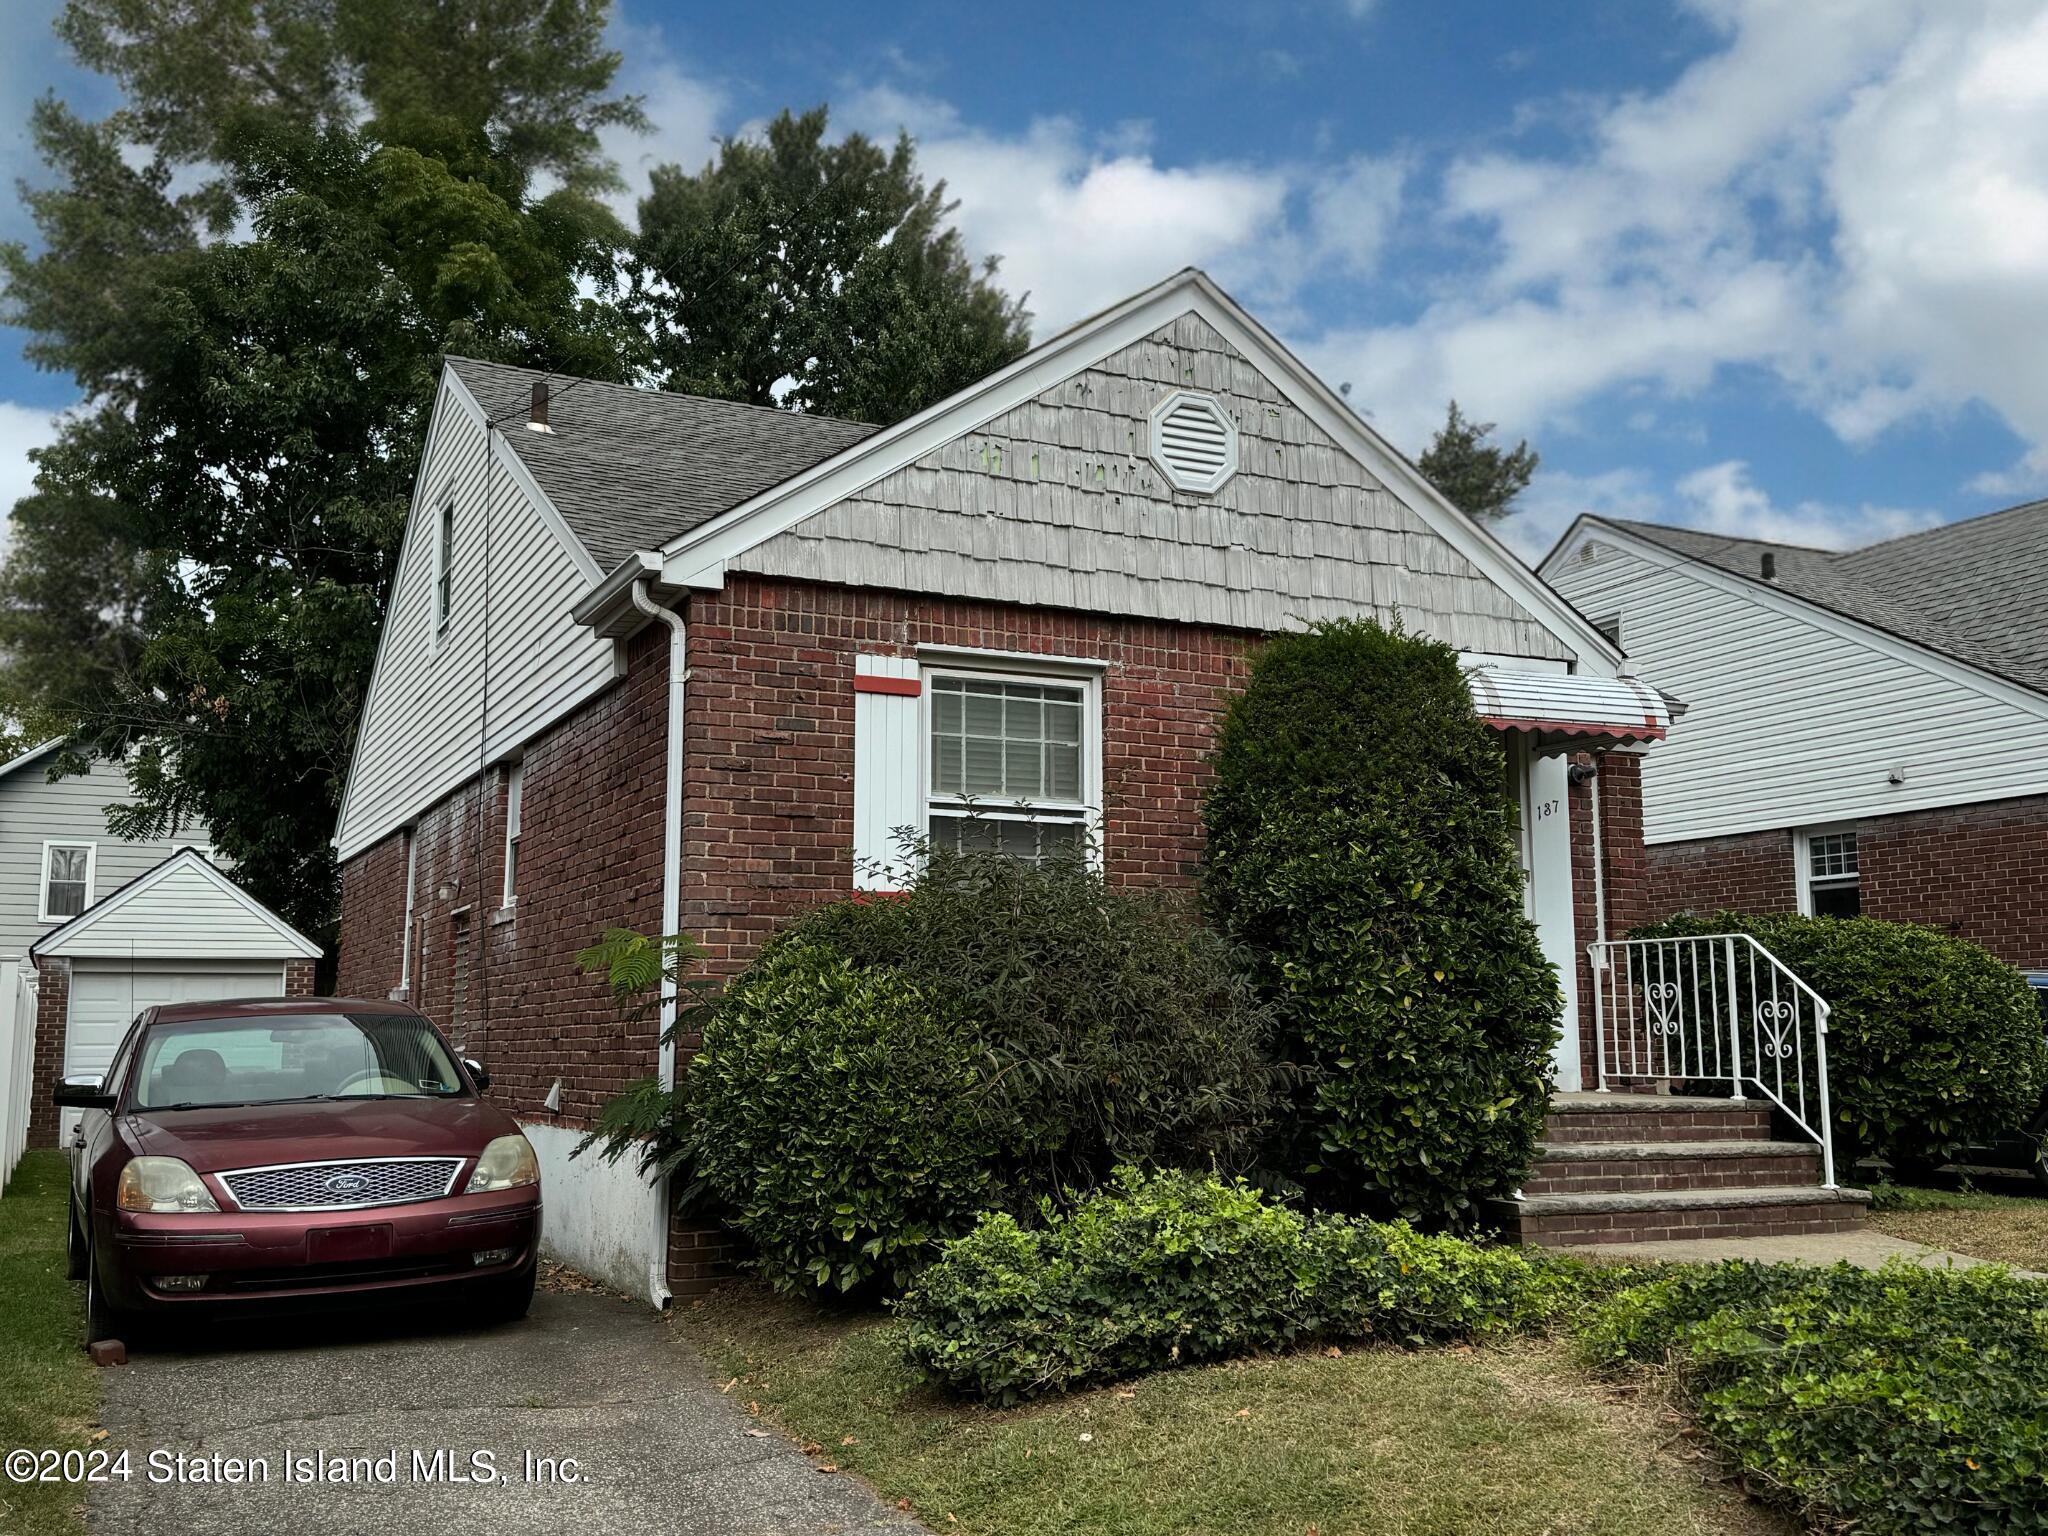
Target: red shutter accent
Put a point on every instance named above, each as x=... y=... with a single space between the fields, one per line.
x=909 y=687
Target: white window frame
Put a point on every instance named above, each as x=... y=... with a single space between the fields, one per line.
x=441 y=596
x=515 y=783
x=412 y=870
x=1046 y=671
x=92 y=854
x=1802 y=862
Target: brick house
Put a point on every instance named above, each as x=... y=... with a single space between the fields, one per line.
x=676 y=663
x=1865 y=731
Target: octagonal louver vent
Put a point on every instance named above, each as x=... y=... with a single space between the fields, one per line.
x=1194 y=442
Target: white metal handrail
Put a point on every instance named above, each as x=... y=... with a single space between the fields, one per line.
x=1679 y=1010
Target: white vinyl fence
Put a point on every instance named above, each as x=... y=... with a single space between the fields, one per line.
x=17 y=1062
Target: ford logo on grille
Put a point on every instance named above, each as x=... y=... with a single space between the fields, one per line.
x=345 y=1184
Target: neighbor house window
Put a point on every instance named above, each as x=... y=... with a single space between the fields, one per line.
x=1012 y=764
x=67 y=879
x=444 y=568
x=515 y=779
x=1829 y=885
x=1611 y=628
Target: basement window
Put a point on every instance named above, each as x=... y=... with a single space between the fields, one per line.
x=1829 y=882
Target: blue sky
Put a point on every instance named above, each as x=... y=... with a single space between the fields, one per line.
x=1768 y=266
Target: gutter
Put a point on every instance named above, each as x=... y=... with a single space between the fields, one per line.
x=671 y=900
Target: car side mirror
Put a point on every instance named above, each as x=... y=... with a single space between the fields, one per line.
x=82 y=1093
x=476 y=1071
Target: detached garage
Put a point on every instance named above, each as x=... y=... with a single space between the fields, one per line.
x=180 y=932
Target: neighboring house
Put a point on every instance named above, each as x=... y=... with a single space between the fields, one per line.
x=683 y=664
x=1865 y=731
x=181 y=931
x=56 y=859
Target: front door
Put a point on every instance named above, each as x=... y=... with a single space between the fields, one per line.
x=1543 y=794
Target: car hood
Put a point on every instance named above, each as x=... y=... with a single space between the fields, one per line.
x=253 y=1135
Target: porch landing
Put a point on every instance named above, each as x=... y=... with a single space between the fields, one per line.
x=1862 y=1246
x=1643 y=1169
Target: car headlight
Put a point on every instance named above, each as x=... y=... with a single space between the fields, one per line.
x=159 y=1185
x=506 y=1163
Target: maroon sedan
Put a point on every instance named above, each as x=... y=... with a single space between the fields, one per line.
x=306 y=1151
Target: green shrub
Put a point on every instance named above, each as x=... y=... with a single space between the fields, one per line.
x=1905 y=1400
x=839 y=1119
x=1934 y=1044
x=1114 y=1027
x=1362 y=845
x=889 y=1068
x=1175 y=1268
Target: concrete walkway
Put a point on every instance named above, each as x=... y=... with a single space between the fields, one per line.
x=1865 y=1248
x=587 y=1376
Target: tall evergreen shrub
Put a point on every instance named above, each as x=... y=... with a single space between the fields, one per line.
x=1362 y=845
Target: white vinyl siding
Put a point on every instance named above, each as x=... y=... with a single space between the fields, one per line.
x=34 y=812
x=419 y=735
x=887 y=790
x=1793 y=720
x=187 y=910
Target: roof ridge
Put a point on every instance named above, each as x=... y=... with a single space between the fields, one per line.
x=1710 y=533
x=648 y=389
x=2039 y=503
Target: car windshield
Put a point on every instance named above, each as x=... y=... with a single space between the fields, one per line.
x=195 y=1063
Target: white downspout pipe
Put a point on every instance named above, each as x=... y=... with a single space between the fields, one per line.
x=671 y=904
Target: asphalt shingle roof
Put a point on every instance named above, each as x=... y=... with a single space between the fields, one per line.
x=1976 y=590
x=631 y=468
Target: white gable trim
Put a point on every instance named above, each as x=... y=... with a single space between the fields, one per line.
x=698 y=558
x=452 y=398
x=1588 y=528
x=59 y=940
x=33 y=754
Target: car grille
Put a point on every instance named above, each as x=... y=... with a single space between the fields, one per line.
x=342 y=1186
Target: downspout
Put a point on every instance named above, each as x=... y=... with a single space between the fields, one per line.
x=671 y=905
x=1599 y=868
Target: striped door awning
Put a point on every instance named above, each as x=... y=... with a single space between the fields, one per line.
x=1558 y=705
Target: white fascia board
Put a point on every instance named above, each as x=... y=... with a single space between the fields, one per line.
x=33 y=754
x=698 y=557
x=1767 y=595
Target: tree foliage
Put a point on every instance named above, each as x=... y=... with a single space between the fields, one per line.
x=252 y=268
x=819 y=276
x=1476 y=475
x=1362 y=847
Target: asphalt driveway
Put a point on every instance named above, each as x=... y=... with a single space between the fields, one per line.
x=588 y=1378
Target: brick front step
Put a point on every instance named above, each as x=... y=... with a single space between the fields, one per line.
x=1628 y=1167
x=1621 y=1117
x=1555 y=1221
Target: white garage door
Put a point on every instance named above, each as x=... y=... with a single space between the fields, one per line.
x=104 y=1003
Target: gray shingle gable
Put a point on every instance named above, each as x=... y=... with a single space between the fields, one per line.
x=1975 y=590
x=631 y=468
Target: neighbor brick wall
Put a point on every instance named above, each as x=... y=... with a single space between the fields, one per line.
x=53 y=1009
x=1750 y=873
x=298 y=977
x=1980 y=871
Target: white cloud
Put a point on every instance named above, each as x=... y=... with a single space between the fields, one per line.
x=684 y=109
x=1080 y=224
x=1717 y=498
x=22 y=428
x=1852 y=196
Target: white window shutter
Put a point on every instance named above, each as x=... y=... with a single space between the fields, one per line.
x=888 y=759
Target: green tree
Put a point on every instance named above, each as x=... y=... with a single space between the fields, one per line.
x=1362 y=847
x=1477 y=476
x=820 y=277
x=252 y=268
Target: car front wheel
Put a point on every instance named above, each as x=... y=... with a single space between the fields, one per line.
x=508 y=1299
x=103 y=1320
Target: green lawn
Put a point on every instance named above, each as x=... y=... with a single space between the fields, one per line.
x=2011 y=1229
x=49 y=1394
x=1452 y=1441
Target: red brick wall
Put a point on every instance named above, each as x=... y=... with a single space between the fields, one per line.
x=298 y=978
x=1980 y=871
x=1750 y=873
x=53 y=1008
x=589 y=859
x=768 y=823
x=1619 y=784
